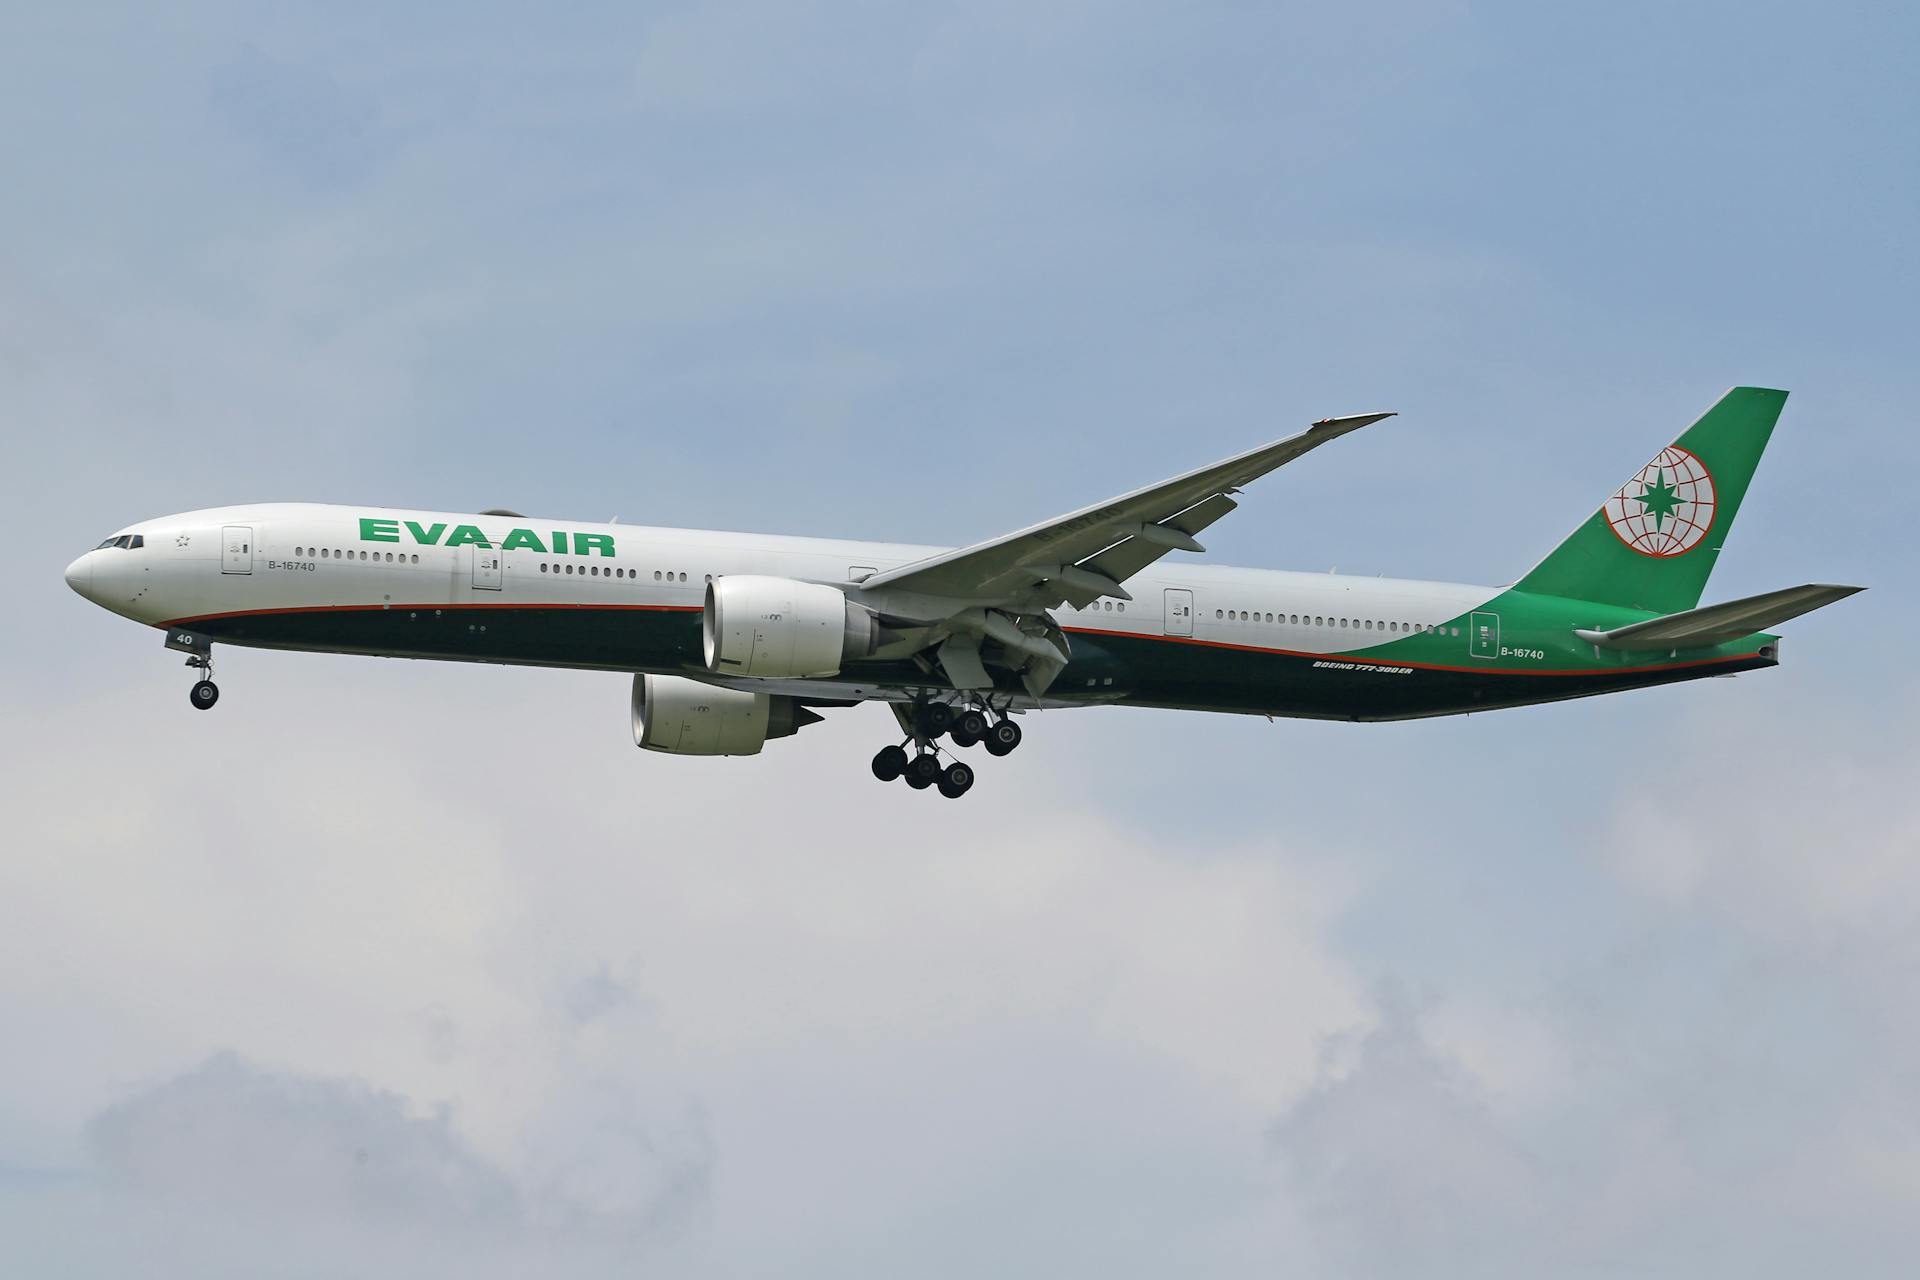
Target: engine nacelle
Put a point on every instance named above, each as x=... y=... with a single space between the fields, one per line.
x=687 y=718
x=781 y=627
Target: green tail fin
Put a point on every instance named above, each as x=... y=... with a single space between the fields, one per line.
x=1653 y=543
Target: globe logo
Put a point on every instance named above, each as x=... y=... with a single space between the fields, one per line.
x=1667 y=508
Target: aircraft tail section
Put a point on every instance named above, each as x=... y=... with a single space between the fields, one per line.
x=1653 y=543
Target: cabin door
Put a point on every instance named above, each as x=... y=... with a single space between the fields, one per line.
x=1484 y=637
x=236 y=549
x=487 y=572
x=1179 y=612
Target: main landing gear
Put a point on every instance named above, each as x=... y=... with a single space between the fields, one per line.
x=963 y=727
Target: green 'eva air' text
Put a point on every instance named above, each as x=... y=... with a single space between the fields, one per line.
x=439 y=535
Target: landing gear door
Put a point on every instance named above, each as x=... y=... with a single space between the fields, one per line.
x=236 y=548
x=487 y=569
x=1179 y=612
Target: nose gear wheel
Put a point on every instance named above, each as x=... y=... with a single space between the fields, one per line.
x=204 y=692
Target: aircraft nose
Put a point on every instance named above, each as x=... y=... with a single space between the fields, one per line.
x=80 y=575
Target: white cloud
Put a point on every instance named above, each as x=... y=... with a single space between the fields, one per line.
x=1804 y=847
x=625 y=983
x=233 y=1169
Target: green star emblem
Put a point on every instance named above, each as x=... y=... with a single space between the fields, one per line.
x=1660 y=499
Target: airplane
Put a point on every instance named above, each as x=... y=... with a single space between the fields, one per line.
x=735 y=639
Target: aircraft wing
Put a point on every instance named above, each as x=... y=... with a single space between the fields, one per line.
x=1086 y=554
x=1719 y=623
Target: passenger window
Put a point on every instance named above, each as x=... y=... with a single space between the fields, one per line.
x=683 y=578
x=656 y=575
x=1218 y=614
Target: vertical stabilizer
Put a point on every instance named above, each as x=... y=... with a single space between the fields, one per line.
x=1654 y=542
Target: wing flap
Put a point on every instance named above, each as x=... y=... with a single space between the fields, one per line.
x=1719 y=623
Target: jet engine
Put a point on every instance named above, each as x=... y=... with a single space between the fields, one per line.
x=687 y=718
x=780 y=627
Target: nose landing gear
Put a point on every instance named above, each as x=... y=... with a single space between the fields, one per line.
x=199 y=651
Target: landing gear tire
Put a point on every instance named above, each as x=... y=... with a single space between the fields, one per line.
x=956 y=780
x=204 y=695
x=1002 y=738
x=968 y=728
x=936 y=718
x=923 y=771
x=890 y=763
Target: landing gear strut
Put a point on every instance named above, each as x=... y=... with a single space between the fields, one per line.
x=926 y=722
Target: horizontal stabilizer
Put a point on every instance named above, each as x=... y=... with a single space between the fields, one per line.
x=1719 y=623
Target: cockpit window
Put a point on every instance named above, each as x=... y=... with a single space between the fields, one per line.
x=125 y=541
x=136 y=542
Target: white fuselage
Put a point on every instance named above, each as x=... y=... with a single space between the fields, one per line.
x=306 y=556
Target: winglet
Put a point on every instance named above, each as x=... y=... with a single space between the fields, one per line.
x=1353 y=422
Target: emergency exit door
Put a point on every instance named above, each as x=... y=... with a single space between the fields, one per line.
x=487 y=568
x=236 y=549
x=1179 y=612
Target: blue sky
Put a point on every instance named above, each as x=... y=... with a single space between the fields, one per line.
x=1595 y=988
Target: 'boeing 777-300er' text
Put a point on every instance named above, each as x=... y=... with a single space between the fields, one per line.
x=736 y=638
